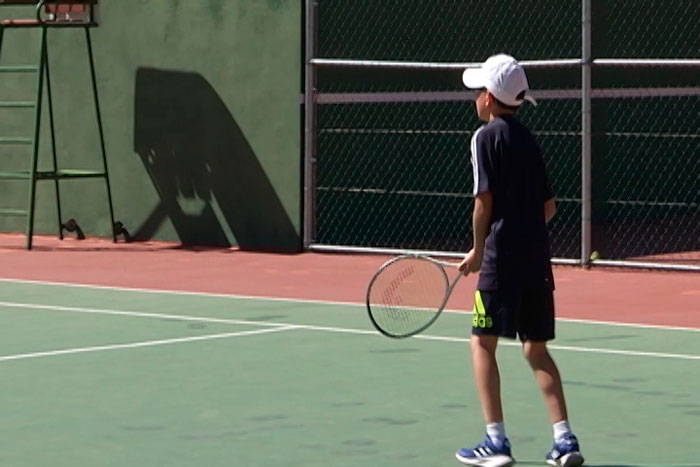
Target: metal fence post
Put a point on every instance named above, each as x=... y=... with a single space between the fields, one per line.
x=309 y=124
x=586 y=85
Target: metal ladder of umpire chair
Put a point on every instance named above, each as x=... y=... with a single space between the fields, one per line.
x=51 y=14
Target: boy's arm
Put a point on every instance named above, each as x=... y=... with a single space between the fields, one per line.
x=482 y=151
x=481 y=220
x=550 y=208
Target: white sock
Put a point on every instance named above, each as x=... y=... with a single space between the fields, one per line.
x=497 y=433
x=561 y=429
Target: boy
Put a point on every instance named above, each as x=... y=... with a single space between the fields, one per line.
x=513 y=201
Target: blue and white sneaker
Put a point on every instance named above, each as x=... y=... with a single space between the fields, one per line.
x=486 y=454
x=565 y=453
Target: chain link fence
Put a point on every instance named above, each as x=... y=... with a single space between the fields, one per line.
x=389 y=124
x=447 y=30
x=646 y=174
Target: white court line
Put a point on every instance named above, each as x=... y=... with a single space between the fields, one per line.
x=133 y=345
x=289 y=326
x=318 y=302
x=583 y=349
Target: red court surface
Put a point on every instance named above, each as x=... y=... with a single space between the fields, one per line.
x=626 y=296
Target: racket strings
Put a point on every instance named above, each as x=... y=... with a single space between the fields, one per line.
x=406 y=295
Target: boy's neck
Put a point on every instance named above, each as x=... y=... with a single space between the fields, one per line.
x=496 y=113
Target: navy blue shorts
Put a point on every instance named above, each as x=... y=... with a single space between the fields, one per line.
x=526 y=314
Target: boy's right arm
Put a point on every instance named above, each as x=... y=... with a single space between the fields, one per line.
x=550 y=208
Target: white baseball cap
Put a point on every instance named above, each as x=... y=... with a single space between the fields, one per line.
x=503 y=77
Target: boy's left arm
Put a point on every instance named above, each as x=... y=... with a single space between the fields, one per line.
x=481 y=220
x=483 y=151
x=550 y=209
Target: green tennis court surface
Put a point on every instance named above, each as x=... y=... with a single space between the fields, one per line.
x=100 y=377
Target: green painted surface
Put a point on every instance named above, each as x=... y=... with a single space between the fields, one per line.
x=200 y=104
x=327 y=395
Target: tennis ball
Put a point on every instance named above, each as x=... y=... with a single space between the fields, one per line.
x=595 y=255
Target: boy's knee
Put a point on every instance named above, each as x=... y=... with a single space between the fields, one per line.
x=535 y=351
x=483 y=343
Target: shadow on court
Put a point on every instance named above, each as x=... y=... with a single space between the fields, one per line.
x=211 y=185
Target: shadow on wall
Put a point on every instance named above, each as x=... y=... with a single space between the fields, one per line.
x=209 y=180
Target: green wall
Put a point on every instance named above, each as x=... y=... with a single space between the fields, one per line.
x=200 y=104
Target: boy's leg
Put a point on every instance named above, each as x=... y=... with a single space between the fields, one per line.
x=536 y=328
x=489 y=322
x=487 y=377
x=548 y=379
x=494 y=317
x=495 y=449
x=566 y=451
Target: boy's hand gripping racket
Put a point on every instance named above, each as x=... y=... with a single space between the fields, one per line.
x=408 y=293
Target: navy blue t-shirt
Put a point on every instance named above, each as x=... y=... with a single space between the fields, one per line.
x=507 y=162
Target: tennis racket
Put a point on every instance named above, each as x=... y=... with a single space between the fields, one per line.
x=408 y=293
